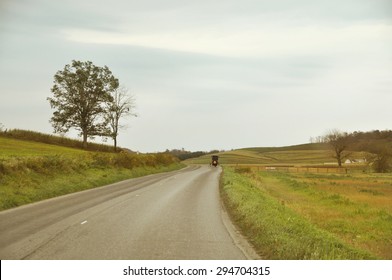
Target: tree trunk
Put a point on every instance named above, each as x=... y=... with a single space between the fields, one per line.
x=338 y=153
x=115 y=144
x=84 y=140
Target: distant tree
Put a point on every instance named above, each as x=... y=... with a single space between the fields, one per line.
x=80 y=94
x=339 y=142
x=382 y=162
x=380 y=156
x=317 y=139
x=121 y=105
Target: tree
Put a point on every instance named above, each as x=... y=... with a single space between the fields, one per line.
x=81 y=91
x=120 y=106
x=380 y=156
x=339 y=142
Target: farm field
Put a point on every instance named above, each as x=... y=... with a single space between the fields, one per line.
x=311 y=215
x=306 y=154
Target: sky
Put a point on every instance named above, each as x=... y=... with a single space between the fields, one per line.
x=221 y=74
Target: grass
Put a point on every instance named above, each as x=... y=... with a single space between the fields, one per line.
x=20 y=148
x=312 y=216
x=33 y=187
x=38 y=137
x=357 y=207
x=292 y=155
x=32 y=171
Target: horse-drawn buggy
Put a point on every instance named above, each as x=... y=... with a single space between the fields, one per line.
x=214 y=160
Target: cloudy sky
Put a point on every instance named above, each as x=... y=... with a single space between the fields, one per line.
x=206 y=74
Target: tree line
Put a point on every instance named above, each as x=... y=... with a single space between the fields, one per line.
x=182 y=154
x=377 y=144
x=91 y=100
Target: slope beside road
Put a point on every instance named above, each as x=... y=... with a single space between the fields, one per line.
x=175 y=215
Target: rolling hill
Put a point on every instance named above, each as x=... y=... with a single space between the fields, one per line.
x=31 y=170
x=10 y=147
x=305 y=154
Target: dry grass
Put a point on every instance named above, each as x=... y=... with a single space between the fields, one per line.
x=274 y=221
x=356 y=208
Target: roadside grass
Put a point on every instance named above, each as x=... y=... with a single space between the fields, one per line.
x=273 y=221
x=31 y=187
x=32 y=171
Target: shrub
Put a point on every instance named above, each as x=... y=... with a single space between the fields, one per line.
x=101 y=160
x=242 y=170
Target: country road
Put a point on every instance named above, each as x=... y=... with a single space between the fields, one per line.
x=175 y=215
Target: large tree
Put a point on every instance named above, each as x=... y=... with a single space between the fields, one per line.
x=80 y=94
x=339 y=142
x=122 y=105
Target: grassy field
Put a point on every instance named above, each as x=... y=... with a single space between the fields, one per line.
x=59 y=141
x=31 y=171
x=19 y=148
x=312 y=216
x=292 y=155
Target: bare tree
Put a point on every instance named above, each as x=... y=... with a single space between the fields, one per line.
x=339 y=142
x=122 y=105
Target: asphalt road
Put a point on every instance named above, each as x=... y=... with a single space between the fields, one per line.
x=176 y=215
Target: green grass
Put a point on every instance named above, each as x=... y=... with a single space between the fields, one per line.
x=20 y=148
x=33 y=136
x=277 y=230
x=32 y=171
x=32 y=187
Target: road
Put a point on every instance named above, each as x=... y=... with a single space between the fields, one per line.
x=175 y=215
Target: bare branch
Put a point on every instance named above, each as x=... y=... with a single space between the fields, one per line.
x=121 y=106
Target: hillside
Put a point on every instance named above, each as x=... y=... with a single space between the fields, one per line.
x=304 y=154
x=31 y=171
x=10 y=147
x=43 y=138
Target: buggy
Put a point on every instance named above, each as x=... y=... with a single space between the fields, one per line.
x=214 y=160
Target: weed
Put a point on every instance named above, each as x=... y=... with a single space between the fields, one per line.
x=373 y=192
x=242 y=170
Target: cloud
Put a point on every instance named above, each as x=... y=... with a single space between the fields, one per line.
x=249 y=73
x=256 y=42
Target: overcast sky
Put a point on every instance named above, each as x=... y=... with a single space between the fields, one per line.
x=207 y=74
